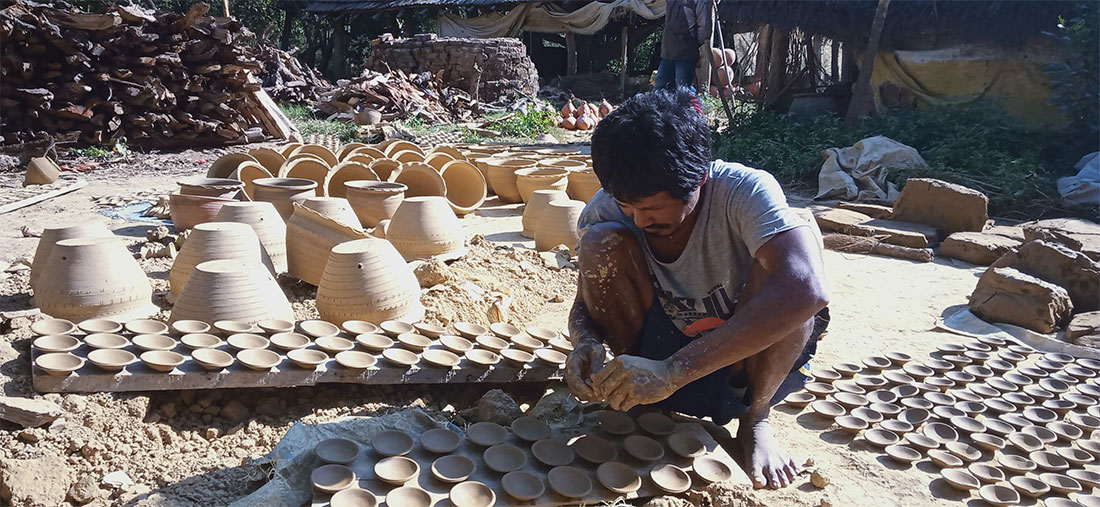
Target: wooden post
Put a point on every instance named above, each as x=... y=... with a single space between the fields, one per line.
x=705 y=63
x=570 y=54
x=775 y=79
x=225 y=7
x=626 y=63
x=863 y=82
x=763 y=47
x=834 y=64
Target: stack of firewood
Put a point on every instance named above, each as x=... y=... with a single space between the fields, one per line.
x=286 y=79
x=397 y=95
x=154 y=78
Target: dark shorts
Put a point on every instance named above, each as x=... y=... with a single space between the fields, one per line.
x=722 y=396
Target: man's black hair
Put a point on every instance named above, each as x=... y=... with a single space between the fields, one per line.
x=653 y=142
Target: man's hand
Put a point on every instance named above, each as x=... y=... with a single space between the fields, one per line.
x=628 y=381
x=586 y=359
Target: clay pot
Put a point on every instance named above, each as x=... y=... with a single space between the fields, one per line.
x=311 y=235
x=283 y=193
x=259 y=359
x=425 y=227
x=472 y=494
x=440 y=440
x=213 y=241
x=308 y=169
x=486 y=434
x=536 y=204
x=228 y=188
x=502 y=176
x=56 y=343
x=395 y=328
x=334 y=344
x=268 y=158
x=452 y=469
x=154 y=342
x=162 y=360
x=318 y=151
x=41 y=171
x=53 y=327
x=548 y=178
x=355 y=360
x=440 y=358
x=391 y=146
x=93 y=277
x=367 y=151
x=353 y=497
x=405 y=156
x=347 y=149
x=188 y=211
x=420 y=178
x=289 y=341
x=332 y=478
x=231 y=290
x=249 y=172
x=307 y=358
x=288 y=148
x=51 y=235
x=573 y=482
x=960 y=479
x=367 y=279
x=466 y=188
x=60 y=364
x=523 y=486
x=619 y=478
x=374 y=201
x=345 y=172
x=111 y=359
x=396 y=469
x=517 y=357
x=481 y=358
x=583 y=184
x=558 y=225
x=266 y=223
x=222 y=167
x=438 y=160
x=200 y=340
x=384 y=167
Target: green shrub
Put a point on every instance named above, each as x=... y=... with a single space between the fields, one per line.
x=528 y=124
x=308 y=124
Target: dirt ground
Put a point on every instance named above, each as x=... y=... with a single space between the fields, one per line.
x=191 y=448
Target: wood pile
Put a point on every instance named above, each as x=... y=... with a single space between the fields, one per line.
x=286 y=80
x=397 y=95
x=155 y=78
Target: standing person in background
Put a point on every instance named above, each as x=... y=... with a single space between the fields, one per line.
x=687 y=27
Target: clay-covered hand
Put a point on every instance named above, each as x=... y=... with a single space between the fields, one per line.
x=585 y=360
x=628 y=381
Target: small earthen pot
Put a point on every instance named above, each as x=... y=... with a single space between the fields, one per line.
x=573 y=482
x=283 y=192
x=188 y=211
x=332 y=478
x=453 y=468
x=396 y=470
x=374 y=201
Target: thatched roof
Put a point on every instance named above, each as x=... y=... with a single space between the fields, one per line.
x=348 y=6
x=998 y=21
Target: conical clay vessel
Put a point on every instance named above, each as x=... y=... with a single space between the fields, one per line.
x=231 y=290
x=465 y=186
x=374 y=201
x=94 y=277
x=266 y=223
x=558 y=225
x=532 y=212
x=502 y=176
x=309 y=237
x=367 y=279
x=212 y=241
x=51 y=235
x=283 y=192
x=425 y=227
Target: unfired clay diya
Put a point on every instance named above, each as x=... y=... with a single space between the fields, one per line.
x=212 y=359
x=396 y=470
x=440 y=441
x=392 y=443
x=571 y=482
x=453 y=468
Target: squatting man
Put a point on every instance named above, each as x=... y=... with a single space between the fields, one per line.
x=703 y=283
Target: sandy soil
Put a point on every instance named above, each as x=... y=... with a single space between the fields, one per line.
x=188 y=448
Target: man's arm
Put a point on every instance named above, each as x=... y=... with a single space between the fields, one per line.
x=793 y=292
x=588 y=354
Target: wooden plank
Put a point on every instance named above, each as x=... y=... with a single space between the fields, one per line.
x=22 y=203
x=189 y=375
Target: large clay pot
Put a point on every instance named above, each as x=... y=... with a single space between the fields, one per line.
x=231 y=290
x=421 y=179
x=265 y=222
x=407 y=156
x=547 y=178
x=562 y=163
x=212 y=241
x=283 y=192
x=465 y=186
x=228 y=188
x=188 y=211
x=481 y=161
x=51 y=235
x=426 y=227
x=288 y=148
x=367 y=279
x=502 y=176
x=319 y=151
x=249 y=172
x=93 y=277
x=583 y=184
x=438 y=160
x=41 y=171
x=369 y=151
x=222 y=167
x=383 y=167
x=374 y=201
x=345 y=172
x=268 y=158
x=309 y=237
x=309 y=169
x=391 y=146
x=558 y=225
x=347 y=149
x=532 y=212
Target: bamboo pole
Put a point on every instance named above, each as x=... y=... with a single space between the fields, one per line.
x=626 y=64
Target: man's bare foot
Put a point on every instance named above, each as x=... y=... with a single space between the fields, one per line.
x=770 y=464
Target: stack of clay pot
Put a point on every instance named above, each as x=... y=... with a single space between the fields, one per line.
x=266 y=223
x=557 y=225
x=93 y=277
x=367 y=279
x=200 y=199
x=424 y=228
x=50 y=237
x=317 y=225
x=231 y=290
x=213 y=241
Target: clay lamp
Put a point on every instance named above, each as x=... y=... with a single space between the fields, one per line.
x=851 y=424
x=870 y=382
x=334 y=344
x=939 y=365
x=999 y=406
x=656 y=423
x=530 y=429
x=307 y=358
x=998 y=427
x=980 y=372
x=504 y=330
x=93 y=326
x=1049 y=366
x=902 y=454
x=966 y=396
x=905 y=390
x=917 y=371
x=146 y=326
x=551 y=357
x=1024 y=442
x=881 y=437
x=456 y=344
x=522 y=486
x=826 y=375
x=111 y=359
x=1079 y=373
x=992 y=341
x=355 y=360
x=944 y=459
x=1087 y=423
x=374 y=342
x=984 y=390
x=820 y=389
x=988 y=442
x=53 y=327
x=430 y=330
x=615 y=423
x=195 y=341
x=358 y=327
x=670 y=479
x=1044 y=435
x=258 y=359
x=940 y=432
x=414 y=342
x=526 y=343
x=799 y=399
x=971 y=408
x=394 y=328
x=946 y=412
x=1090 y=446
x=274 y=326
x=960 y=479
x=396 y=470
x=1049 y=461
x=999 y=366
x=917 y=403
x=552 y=453
x=1060 y=407
x=1087 y=478
x=486 y=434
x=1016 y=464
x=231 y=327
x=482 y=358
x=1028 y=486
x=967 y=424
x=289 y=341
x=898 y=378
x=977 y=356
x=1065 y=431
x=1034 y=373
x=490 y=343
x=848 y=386
x=963 y=451
x=246 y=341
x=896 y=426
x=441 y=358
x=685 y=444
x=957 y=360
x=938 y=398
x=1040 y=415
x=998 y=495
x=440 y=440
x=106 y=341
x=1018 y=399
x=886 y=409
x=408 y=496
x=353 y=497
x=212 y=359
x=392 y=443
x=337 y=450
x=1075 y=457
x=1054 y=385
x=185 y=327
x=332 y=478
x=848 y=370
x=951 y=348
x=517 y=357
x=469 y=330
x=56 y=343
x=594 y=449
x=941 y=383
x=472 y=494
x=920 y=442
x=898 y=358
x=453 y=469
x=876 y=363
x=1061 y=484
x=978 y=346
x=882 y=396
x=711 y=470
x=162 y=360
x=504 y=458
x=541 y=333
x=1010 y=356
x=561 y=345
x=868 y=414
x=914 y=416
x=573 y=482
x=986 y=473
x=148 y=342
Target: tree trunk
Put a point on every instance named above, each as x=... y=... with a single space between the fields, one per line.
x=776 y=76
x=338 y=60
x=863 y=82
x=570 y=54
x=288 y=29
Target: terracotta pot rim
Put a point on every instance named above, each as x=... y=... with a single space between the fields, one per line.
x=286 y=183
x=377 y=186
x=542 y=172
